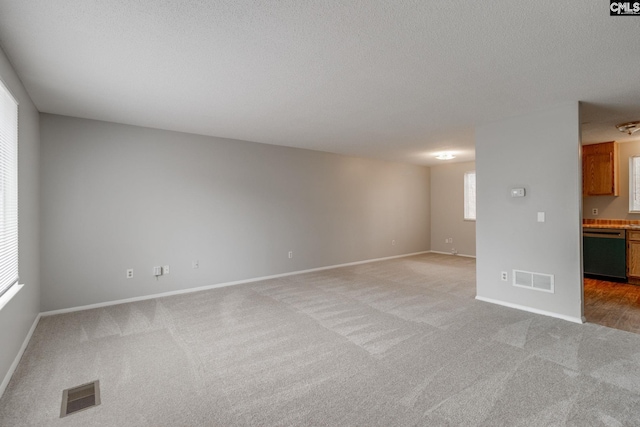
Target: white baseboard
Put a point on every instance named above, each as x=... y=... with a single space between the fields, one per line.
x=532 y=310
x=14 y=365
x=449 y=253
x=218 y=285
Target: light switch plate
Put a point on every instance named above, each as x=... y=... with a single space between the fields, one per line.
x=540 y=216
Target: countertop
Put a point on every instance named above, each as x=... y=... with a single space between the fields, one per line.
x=618 y=224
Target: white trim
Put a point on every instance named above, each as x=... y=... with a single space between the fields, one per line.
x=6 y=88
x=632 y=185
x=449 y=253
x=532 y=310
x=14 y=365
x=218 y=285
x=10 y=293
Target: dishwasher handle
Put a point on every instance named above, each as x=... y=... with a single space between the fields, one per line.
x=607 y=234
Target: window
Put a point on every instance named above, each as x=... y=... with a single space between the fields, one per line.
x=470 y=195
x=634 y=184
x=8 y=190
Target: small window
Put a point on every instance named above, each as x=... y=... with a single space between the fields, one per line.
x=634 y=184
x=470 y=195
x=8 y=190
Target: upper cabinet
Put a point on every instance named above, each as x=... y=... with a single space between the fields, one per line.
x=600 y=169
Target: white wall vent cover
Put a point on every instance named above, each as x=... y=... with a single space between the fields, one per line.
x=535 y=281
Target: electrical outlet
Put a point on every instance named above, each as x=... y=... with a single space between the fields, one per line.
x=157 y=271
x=165 y=270
x=130 y=273
x=195 y=264
x=393 y=243
x=290 y=254
x=504 y=276
x=594 y=211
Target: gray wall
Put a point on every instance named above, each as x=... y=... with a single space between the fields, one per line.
x=610 y=207
x=447 y=209
x=118 y=197
x=19 y=314
x=540 y=152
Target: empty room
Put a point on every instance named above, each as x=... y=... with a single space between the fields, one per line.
x=334 y=213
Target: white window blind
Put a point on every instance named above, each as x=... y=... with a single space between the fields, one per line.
x=8 y=190
x=634 y=184
x=470 y=195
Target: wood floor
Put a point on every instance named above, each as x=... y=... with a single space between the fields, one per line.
x=616 y=305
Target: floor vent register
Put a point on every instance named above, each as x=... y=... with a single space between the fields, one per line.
x=79 y=398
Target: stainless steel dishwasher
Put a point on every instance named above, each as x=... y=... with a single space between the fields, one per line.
x=604 y=253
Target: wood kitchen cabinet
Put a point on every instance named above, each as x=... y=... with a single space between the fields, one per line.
x=600 y=169
x=633 y=256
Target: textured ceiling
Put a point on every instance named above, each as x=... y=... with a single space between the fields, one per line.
x=391 y=79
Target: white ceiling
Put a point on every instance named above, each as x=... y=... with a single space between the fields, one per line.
x=391 y=79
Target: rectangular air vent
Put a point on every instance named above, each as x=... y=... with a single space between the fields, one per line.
x=78 y=398
x=535 y=281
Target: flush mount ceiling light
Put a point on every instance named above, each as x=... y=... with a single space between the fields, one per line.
x=629 y=127
x=445 y=156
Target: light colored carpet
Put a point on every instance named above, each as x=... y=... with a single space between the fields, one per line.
x=393 y=343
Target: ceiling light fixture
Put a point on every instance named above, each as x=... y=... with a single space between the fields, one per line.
x=445 y=156
x=629 y=127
